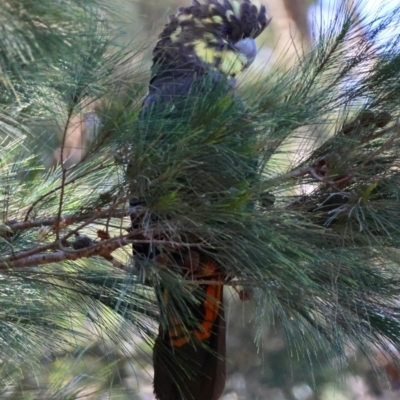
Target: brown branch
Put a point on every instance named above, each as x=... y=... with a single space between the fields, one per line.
x=92 y=219
x=71 y=218
x=31 y=251
x=104 y=249
x=58 y=244
x=100 y=249
x=296 y=173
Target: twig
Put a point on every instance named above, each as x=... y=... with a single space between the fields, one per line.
x=47 y=258
x=384 y=147
x=71 y=218
x=299 y=172
x=104 y=249
x=64 y=171
x=91 y=219
x=31 y=251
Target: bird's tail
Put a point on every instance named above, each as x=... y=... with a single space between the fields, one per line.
x=189 y=357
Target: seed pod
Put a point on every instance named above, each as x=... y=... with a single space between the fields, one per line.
x=382 y=119
x=81 y=242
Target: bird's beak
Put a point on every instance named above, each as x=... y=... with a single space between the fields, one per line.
x=248 y=48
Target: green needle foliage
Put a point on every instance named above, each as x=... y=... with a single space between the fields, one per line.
x=316 y=240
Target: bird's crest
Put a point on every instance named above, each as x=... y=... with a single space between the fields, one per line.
x=206 y=34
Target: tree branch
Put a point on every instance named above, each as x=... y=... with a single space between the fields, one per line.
x=15 y=227
x=104 y=249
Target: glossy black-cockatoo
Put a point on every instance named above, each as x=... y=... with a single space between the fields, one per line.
x=212 y=41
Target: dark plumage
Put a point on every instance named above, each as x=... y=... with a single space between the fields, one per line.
x=211 y=38
x=214 y=40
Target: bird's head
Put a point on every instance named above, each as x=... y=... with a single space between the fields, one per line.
x=218 y=34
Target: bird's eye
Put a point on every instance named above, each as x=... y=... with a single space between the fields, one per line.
x=227 y=31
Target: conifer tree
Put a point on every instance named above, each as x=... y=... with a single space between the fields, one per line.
x=317 y=241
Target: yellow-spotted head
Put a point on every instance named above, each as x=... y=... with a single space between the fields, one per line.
x=218 y=34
